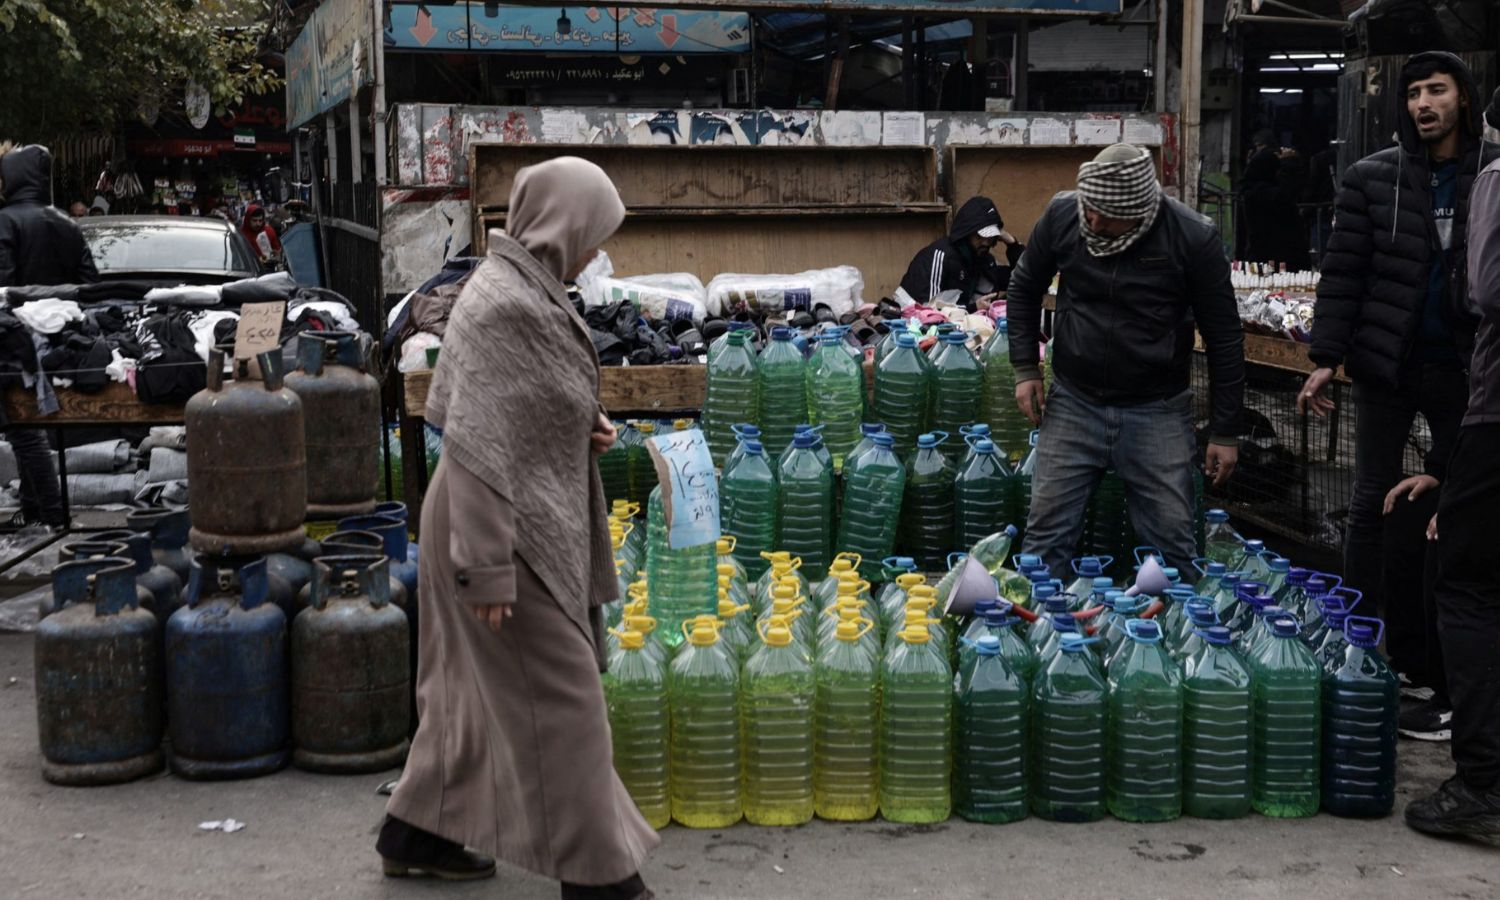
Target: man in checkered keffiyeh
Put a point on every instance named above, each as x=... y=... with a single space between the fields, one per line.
x=1120 y=186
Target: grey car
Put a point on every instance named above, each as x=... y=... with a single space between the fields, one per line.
x=183 y=249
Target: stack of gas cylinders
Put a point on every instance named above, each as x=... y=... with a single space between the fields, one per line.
x=225 y=628
x=1001 y=691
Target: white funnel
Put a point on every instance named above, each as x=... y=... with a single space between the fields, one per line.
x=1151 y=579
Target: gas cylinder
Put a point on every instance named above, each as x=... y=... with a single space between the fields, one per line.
x=389 y=541
x=98 y=677
x=77 y=551
x=351 y=680
x=397 y=510
x=162 y=583
x=247 y=461
x=168 y=530
x=228 y=697
x=361 y=543
x=393 y=531
x=341 y=421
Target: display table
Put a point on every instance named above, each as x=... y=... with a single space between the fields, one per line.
x=117 y=404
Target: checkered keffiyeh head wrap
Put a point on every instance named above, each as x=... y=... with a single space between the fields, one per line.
x=1120 y=183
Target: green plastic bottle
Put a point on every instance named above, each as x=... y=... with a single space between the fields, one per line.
x=737 y=633
x=704 y=687
x=804 y=521
x=1286 y=688
x=748 y=498
x=846 y=773
x=722 y=341
x=928 y=504
x=1361 y=703
x=743 y=431
x=791 y=606
x=782 y=566
x=991 y=711
x=1069 y=711
x=874 y=487
x=902 y=393
x=845 y=566
x=783 y=391
x=614 y=463
x=887 y=342
x=981 y=494
x=1221 y=543
x=1200 y=618
x=916 y=736
x=1145 y=729
x=867 y=432
x=1008 y=425
x=992 y=550
x=1020 y=483
x=893 y=603
x=836 y=394
x=1218 y=729
x=731 y=394
x=681 y=583
x=635 y=695
x=1210 y=574
x=956 y=377
x=642 y=470
x=776 y=704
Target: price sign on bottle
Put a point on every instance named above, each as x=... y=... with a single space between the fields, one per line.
x=689 y=487
x=259 y=329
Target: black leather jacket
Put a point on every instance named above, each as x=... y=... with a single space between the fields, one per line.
x=1123 y=332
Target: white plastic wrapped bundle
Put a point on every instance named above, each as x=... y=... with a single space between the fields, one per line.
x=839 y=289
x=659 y=304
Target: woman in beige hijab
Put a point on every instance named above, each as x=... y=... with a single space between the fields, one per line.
x=512 y=754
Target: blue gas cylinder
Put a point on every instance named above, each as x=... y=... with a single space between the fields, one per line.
x=168 y=529
x=228 y=692
x=397 y=510
x=98 y=677
x=397 y=540
x=159 y=581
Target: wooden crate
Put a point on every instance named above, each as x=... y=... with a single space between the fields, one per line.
x=624 y=390
x=117 y=404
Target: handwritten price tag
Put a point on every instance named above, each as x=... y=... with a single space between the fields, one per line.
x=259 y=329
x=689 y=487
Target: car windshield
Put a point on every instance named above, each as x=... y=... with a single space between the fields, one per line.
x=163 y=248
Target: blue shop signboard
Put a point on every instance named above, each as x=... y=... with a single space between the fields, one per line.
x=589 y=29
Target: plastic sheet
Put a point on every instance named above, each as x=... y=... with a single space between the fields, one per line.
x=840 y=290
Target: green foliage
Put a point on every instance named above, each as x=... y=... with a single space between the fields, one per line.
x=70 y=67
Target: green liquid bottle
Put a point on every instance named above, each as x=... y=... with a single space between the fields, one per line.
x=845 y=715
x=874 y=486
x=1069 y=712
x=902 y=392
x=927 y=507
x=681 y=583
x=991 y=715
x=635 y=695
x=1008 y=425
x=614 y=463
x=1208 y=582
x=642 y=469
x=867 y=432
x=1221 y=543
x=776 y=703
x=748 y=499
x=836 y=395
x=1287 y=684
x=956 y=377
x=738 y=632
x=703 y=687
x=731 y=395
x=805 y=506
x=992 y=550
x=1020 y=484
x=743 y=431
x=1218 y=729
x=981 y=492
x=783 y=391
x=1145 y=729
x=916 y=737
x=893 y=603
x=1361 y=703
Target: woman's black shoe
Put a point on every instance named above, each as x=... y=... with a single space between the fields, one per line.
x=407 y=851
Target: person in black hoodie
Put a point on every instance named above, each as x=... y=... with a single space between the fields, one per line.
x=962 y=260
x=39 y=245
x=1392 y=310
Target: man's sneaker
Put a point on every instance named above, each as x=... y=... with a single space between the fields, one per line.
x=1455 y=808
x=1426 y=722
x=1411 y=691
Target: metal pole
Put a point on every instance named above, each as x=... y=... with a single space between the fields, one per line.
x=331 y=129
x=908 y=63
x=355 y=155
x=1160 y=88
x=1192 y=98
x=378 y=128
x=1023 y=62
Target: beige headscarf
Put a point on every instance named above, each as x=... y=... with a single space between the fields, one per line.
x=561 y=209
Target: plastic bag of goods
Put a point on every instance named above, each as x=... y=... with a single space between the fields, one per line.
x=659 y=304
x=839 y=289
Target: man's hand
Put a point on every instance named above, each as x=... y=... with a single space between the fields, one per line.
x=1432 y=533
x=1219 y=462
x=1416 y=486
x=1006 y=237
x=1031 y=396
x=1313 y=396
x=494 y=615
x=603 y=437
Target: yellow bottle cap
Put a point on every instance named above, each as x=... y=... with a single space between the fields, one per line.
x=784 y=590
x=624 y=509
x=682 y=424
x=643 y=624
x=727 y=608
x=909 y=580
x=850 y=588
x=840 y=566
x=702 y=631
x=784 y=604
x=918 y=616
x=632 y=640
x=646 y=427
x=775 y=556
x=725 y=570
x=851 y=630
x=725 y=545
x=854 y=558
x=915 y=634
x=776 y=631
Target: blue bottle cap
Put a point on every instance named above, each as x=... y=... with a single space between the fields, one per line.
x=739 y=326
x=1179 y=594
x=1172 y=574
x=1104 y=583
x=989 y=645
x=1280 y=565
x=1202 y=615
x=1284 y=627
x=983 y=606
x=883 y=440
x=1126 y=606
x=984 y=446
x=955 y=337
x=1257 y=600
x=1040 y=576
x=1216 y=515
x=1057 y=603
x=745 y=429
x=1064 y=622
x=927 y=441
x=803 y=428
x=1216 y=570
x=998 y=617
x=1144 y=630
x=1076 y=643
x=1028 y=560
x=1088 y=567
x=1002 y=326
x=781 y=333
x=1042 y=590
x=1297 y=576
x=754 y=447
x=831 y=336
x=1246 y=589
x=1364 y=632
x=900 y=562
x=1231 y=578
x=906 y=339
x=1254 y=546
x=871 y=428
x=1217 y=635
x=975 y=429
x=1270 y=611
x=805 y=440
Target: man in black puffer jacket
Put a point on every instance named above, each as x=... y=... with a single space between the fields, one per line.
x=1392 y=309
x=39 y=243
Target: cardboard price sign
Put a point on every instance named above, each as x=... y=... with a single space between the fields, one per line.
x=689 y=487
x=259 y=329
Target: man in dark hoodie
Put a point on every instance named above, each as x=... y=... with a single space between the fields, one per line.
x=39 y=245
x=962 y=261
x=1391 y=309
x=1468 y=518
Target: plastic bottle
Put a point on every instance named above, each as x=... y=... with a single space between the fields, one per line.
x=893 y=602
x=1047 y=612
x=887 y=342
x=1331 y=639
x=792 y=607
x=743 y=431
x=1221 y=543
x=782 y=565
x=1020 y=481
x=682 y=583
x=1260 y=631
x=1252 y=599
x=1209 y=575
x=1173 y=616
x=1276 y=582
x=1254 y=563
x=722 y=341
x=998 y=406
x=956 y=376
x=614 y=463
x=1198 y=618
x=874 y=488
x=916 y=739
x=1286 y=684
x=737 y=633
x=836 y=394
x=1087 y=571
x=991 y=712
x=867 y=432
x=1227 y=599
x=928 y=504
x=1361 y=703
x=749 y=495
x=1069 y=712
x=703 y=687
x=642 y=469
x=902 y=393
x=635 y=695
x=1319 y=585
x=805 y=507
x=845 y=566
x=1293 y=596
x=993 y=550
x=981 y=494
x=731 y=394
x=1218 y=732
x=783 y=390
x=776 y=704
x=1145 y=729
x=845 y=714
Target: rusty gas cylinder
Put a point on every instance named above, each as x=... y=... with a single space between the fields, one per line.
x=351 y=681
x=168 y=530
x=341 y=421
x=98 y=677
x=97 y=548
x=247 y=461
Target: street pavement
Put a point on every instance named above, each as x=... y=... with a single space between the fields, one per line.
x=312 y=836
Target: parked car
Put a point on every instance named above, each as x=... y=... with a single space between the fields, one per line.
x=183 y=249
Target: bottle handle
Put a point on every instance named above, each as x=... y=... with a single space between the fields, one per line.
x=852 y=557
x=731 y=540
x=1350 y=595
x=1378 y=625
x=1201 y=564
x=940 y=435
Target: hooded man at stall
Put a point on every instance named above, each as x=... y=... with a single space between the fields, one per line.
x=262 y=237
x=963 y=260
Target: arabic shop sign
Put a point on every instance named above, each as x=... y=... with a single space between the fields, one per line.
x=323 y=64
x=589 y=29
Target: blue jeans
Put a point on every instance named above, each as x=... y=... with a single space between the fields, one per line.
x=1153 y=449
